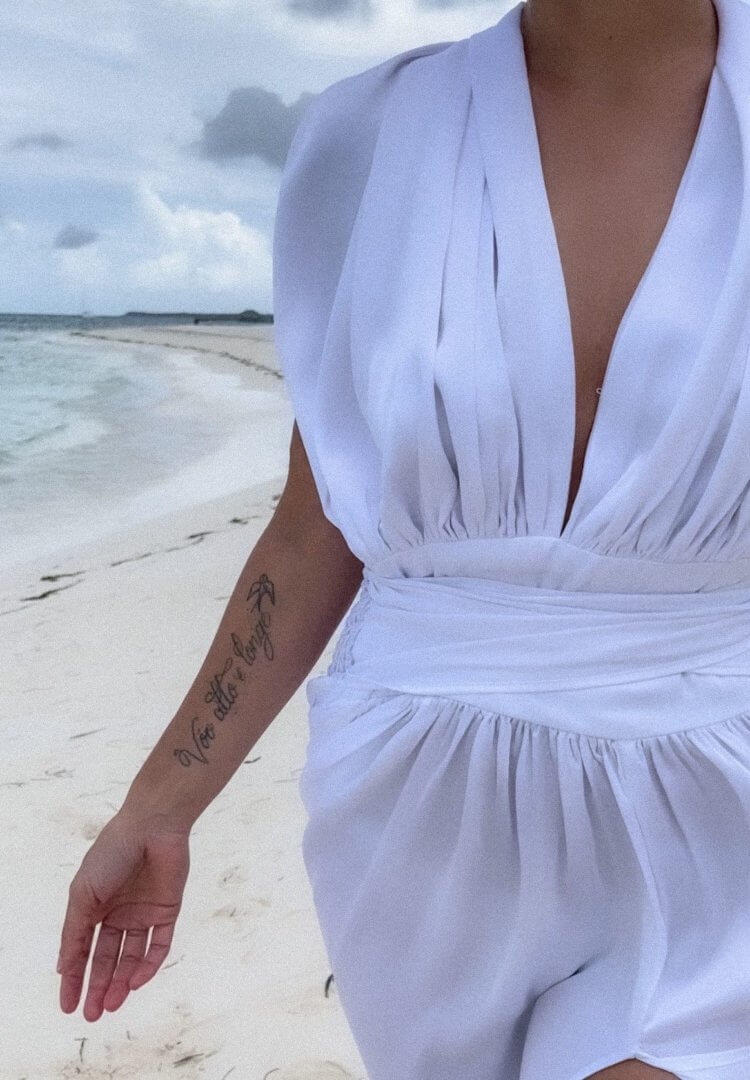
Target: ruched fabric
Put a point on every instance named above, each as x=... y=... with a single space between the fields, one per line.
x=502 y=898
x=528 y=770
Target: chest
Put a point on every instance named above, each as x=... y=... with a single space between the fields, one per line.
x=611 y=178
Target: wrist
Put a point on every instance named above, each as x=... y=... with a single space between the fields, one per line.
x=146 y=807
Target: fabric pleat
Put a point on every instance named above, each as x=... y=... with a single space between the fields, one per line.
x=419 y=298
x=559 y=902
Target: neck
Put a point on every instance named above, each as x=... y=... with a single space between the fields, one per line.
x=617 y=42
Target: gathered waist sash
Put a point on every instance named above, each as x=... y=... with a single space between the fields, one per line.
x=471 y=638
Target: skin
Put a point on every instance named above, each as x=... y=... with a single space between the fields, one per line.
x=606 y=61
x=616 y=47
x=617 y=90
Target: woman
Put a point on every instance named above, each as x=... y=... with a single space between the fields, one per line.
x=511 y=282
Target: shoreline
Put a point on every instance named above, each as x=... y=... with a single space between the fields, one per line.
x=249 y=345
x=247 y=399
x=102 y=641
x=27 y=581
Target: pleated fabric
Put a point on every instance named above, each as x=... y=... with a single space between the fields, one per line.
x=422 y=325
x=501 y=898
x=528 y=769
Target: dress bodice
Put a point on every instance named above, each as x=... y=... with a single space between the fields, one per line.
x=423 y=329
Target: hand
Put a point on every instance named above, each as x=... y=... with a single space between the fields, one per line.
x=132 y=878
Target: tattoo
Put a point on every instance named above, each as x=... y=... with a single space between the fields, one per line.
x=262 y=587
x=224 y=697
x=223 y=694
x=247 y=651
x=201 y=737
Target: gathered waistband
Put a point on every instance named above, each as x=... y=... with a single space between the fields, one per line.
x=477 y=639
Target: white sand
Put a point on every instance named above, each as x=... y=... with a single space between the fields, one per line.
x=91 y=674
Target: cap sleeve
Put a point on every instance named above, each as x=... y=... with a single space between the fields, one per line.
x=321 y=189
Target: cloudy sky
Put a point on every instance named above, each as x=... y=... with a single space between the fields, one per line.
x=142 y=141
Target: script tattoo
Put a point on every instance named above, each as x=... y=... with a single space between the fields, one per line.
x=222 y=692
x=201 y=739
x=224 y=696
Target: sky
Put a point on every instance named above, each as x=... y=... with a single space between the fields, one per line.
x=142 y=141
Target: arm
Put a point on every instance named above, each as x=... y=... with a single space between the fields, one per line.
x=295 y=588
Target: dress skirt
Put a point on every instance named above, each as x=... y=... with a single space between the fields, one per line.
x=507 y=898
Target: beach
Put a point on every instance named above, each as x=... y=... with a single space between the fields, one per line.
x=103 y=635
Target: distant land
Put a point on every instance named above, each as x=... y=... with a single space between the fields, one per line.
x=250 y=315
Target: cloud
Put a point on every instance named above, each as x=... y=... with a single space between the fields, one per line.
x=196 y=249
x=330 y=9
x=196 y=99
x=74 y=236
x=12 y=226
x=253 y=121
x=43 y=140
x=83 y=267
x=102 y=26
x=184 y=255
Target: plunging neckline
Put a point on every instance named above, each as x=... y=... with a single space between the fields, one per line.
x=636 y=296
x=659 y=248
x=525 y=228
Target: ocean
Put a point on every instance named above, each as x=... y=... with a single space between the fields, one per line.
x=96 y=435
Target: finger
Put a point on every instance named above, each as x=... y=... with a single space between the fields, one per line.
x=133 y=952
x=106 y=954
x=75 y=945
x=161 y=940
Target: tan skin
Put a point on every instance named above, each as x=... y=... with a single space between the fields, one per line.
x=617 y=90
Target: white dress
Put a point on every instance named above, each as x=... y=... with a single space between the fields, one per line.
x=528 y=768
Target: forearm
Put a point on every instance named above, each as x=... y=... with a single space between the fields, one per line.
x=287 y=603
